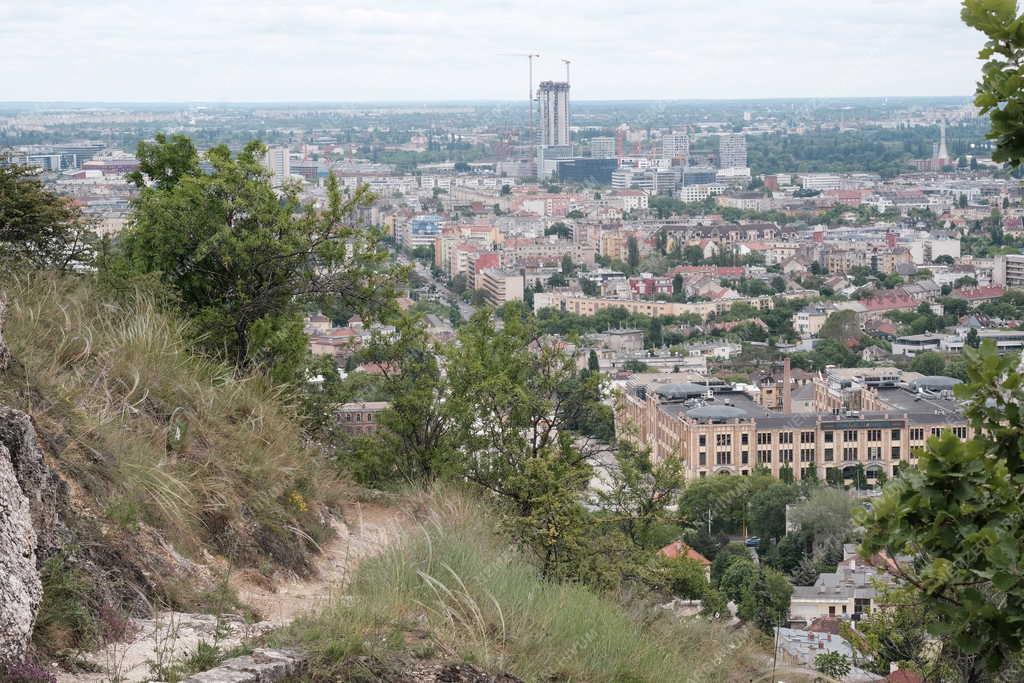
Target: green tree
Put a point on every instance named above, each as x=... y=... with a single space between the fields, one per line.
x=683 y=577
x=677 y=285
x=961 y=513
x=833 y=664
x=640 y=492
x=593 y=363
x=999 y=93
x=165 y=161
x=895 y=633
x=929 y=363
x=841 y=326
x=737 y=579
x=588 y=286
x=560 y=230
x=417 y=427
x=632 y=252
x=510 y=410
x=726 y=556
x=973 y=340
x=635 y=366
x=826 y=514
x=243 y=260
x=768 y=510
x=39 y=228
x=765 y=600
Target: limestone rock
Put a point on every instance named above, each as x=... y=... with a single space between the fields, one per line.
x=45 y=490
x=5 y=353
x=262 y=666
x=20 y=587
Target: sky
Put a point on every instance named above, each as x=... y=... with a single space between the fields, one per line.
x=436 y=50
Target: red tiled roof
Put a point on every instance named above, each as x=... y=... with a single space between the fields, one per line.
x=680 y=549
x=980 y=293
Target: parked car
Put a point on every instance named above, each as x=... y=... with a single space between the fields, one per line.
x=753 y=542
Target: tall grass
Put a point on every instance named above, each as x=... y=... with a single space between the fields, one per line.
x=153 y=434
x=455 y=591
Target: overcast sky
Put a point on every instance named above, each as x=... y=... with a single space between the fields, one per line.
x=356 y=50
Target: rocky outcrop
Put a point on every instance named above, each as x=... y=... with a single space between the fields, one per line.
x=262 y=666
x=46 y=492
x=5 y=353
x=20 y=586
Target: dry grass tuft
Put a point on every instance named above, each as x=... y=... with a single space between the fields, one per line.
x=155 y=434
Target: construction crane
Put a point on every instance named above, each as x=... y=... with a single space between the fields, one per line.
x=530 y=57
x=566 y=62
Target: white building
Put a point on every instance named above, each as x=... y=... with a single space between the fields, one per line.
x=732 y=150
x=277 y=162
x=698 y=193
x=675 y=146
x=820 y=181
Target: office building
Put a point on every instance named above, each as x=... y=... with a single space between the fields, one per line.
x=501 y=286
x=867 y=421
x=554 y=113
x=602 y=147
x=699 y=175
x=675 y=146
x=732 y=150
x=422 y=231
x=277 y=162
x=596 y=171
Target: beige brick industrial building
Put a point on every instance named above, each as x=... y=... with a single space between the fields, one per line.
x=871 y=417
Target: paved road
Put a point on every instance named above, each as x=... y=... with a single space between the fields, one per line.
x=465 y=309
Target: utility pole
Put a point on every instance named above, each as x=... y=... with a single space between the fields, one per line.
x=533 y=131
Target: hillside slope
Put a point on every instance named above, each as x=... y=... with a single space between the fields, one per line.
x=455 y=591
x=172 y=472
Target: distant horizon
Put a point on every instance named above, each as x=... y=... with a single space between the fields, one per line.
x=782 y=98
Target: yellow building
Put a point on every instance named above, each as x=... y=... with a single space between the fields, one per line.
x=716 y=429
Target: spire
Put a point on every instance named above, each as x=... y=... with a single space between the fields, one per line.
x=943 y=152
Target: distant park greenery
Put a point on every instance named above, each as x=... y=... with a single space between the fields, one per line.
x=884 y=151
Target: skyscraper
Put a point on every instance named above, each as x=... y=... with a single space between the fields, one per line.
x=675 y=146
x=554 y=114
x=277 y=162
x=732 y=150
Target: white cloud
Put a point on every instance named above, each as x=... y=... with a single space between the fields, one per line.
x=451 y=49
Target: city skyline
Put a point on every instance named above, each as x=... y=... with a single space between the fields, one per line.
x=457 y=51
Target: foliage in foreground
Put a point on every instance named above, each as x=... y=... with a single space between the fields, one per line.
x=244 y=258
x=999 y=93
x=961 y=515
x=456 y=590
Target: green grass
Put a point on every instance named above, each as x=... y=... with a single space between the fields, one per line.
x=149 y=433
x=454 y=590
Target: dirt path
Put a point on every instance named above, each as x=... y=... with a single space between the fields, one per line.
x=366 y=530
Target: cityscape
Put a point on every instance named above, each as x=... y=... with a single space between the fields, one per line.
x=543 y=387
